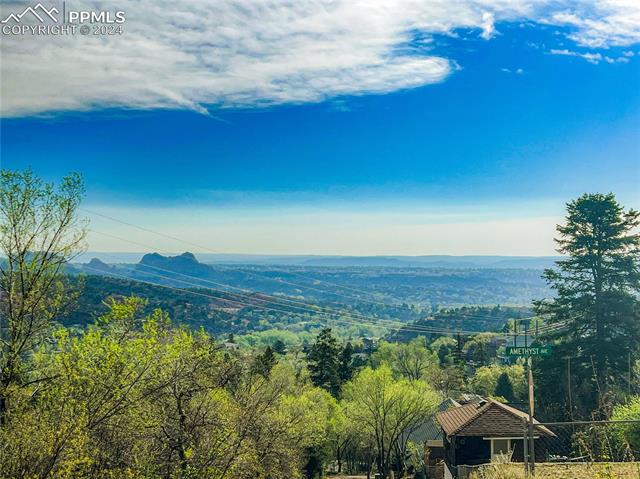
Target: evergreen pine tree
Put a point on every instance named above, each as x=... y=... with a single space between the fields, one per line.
x=264 y=363
x=444 y=355
x=345 y=371
x=504 y=388
x=279 y=347
x=596 y=295
x=323 y=361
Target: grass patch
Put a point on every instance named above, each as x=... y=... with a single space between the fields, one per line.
x=599 y=470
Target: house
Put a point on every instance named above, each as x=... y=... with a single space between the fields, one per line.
x=482 y=431
x=230 y=346
x=429 y=438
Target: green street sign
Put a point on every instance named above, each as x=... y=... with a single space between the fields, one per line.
x=522 y=352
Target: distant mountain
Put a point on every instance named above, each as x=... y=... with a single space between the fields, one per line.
x=427 y=261
x=98 y=265
x=510 y=262
x=186 y=263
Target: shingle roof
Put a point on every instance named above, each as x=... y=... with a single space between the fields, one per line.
x=430 y=430
x=490 y=418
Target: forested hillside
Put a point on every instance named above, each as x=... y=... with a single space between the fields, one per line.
x=258 y=315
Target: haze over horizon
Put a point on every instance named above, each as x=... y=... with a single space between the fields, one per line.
x=112 y=257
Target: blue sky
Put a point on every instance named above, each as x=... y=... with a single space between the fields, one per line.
x=477 y=161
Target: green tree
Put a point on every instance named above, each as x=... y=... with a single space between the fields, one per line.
x=448 y=380
x=444 y=347
x=88 y=413
x=263 y=363
x=324 y=362
x=596 y=293
x=346 y=366
x=629 y=433
x=279 y=347
x=504 y=388
x=387 y=410
x=458 y=353
x=39 y=233
x=410 y=360
x=485 y=380
x=340 y=433
x=480 y=349
x=134 y=397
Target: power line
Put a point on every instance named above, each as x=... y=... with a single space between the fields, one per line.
x=174 y=238
x=274 y=299
x=464 y=316
x=148 y=230
x=250 y=273
x=339 y=320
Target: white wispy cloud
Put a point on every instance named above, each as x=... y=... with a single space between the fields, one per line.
x=517 y=71
x=202 y=55
x=591 y=57
x=601 y=23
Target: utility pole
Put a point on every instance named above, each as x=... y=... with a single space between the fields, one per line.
x=569 y=387
x=629 y=377
x=525 y=447
x=532 y=446
x=531 y=441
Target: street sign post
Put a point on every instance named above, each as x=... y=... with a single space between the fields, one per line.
x=530 y=351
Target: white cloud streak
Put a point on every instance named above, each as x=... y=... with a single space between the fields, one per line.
x=591 y=57
x=594 y=58
x=227 y=53
x=601 y=23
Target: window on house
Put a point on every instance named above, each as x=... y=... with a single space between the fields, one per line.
x=500 y=448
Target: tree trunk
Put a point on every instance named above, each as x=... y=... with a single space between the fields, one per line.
x=3 y=409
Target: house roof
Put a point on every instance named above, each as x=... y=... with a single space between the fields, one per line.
x=487 y=418
x=430 y=429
